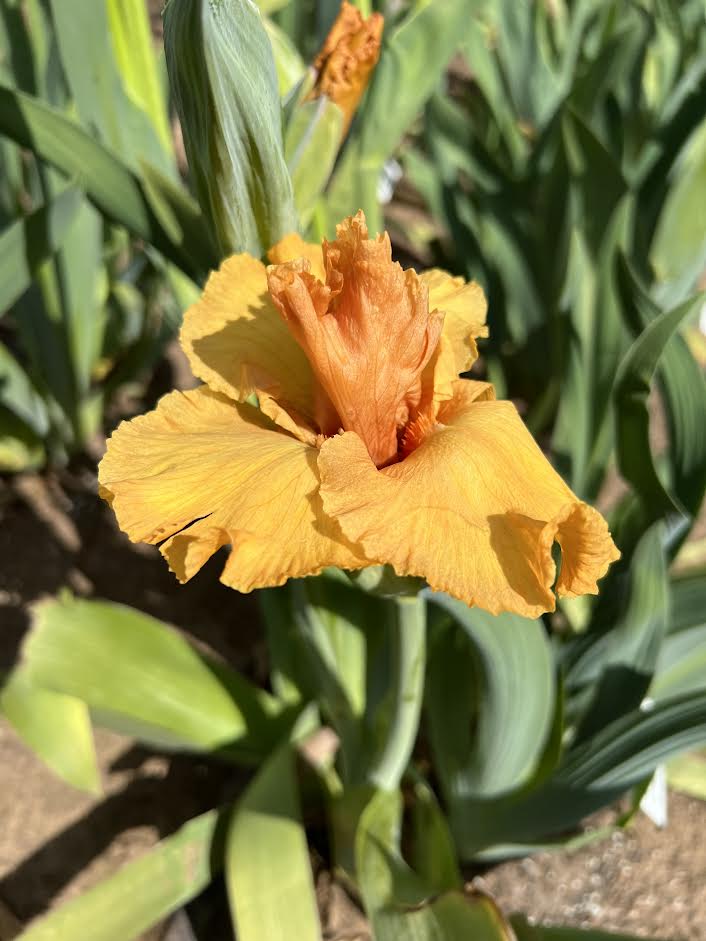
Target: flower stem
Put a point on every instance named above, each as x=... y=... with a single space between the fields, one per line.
x=407 y=637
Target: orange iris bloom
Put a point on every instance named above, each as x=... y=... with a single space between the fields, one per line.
x=366 y=448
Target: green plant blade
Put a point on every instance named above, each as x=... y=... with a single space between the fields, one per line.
x=683 y=386
x=312 y=140
x=144 y=891
x=399 y=903
x=56 y=727
x=96 y=85
x=137 y=62
x=143 y=678
x=268 y=873
x=490 y=699
x=632 y=387
x=30 y=240
x=622 y=660
x=18 y=395
x=113 y=188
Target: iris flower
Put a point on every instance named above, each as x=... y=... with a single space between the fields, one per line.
x=366 y=447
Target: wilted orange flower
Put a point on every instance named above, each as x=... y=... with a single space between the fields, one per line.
x=347 y=59
x=367 y=448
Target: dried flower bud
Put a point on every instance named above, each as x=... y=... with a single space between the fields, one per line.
x=347 y=59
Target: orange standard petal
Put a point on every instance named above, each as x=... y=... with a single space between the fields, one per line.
x=347 y=58
x=474 y=508
x=201 y=472
x=367 y=331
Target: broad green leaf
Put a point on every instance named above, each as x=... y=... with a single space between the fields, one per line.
x=632 y=388
x=224 y=82
x=18 y=395
x=688 y=602
x=268 y=872
x=143 y=678
x=113 y=188
x=96 y=85
x=312 y=140
x=622 y=660
x=289 y=64
x=680 y=116
x=433 y=853
x=399 y=903
x=631 y=747
x=144 y=891
x=684 y=394
x=592 y=776
x=56 y=727
x=490 y=699
x=135 y=56
x=20 y=448
x=681 y=666
x=32 y=239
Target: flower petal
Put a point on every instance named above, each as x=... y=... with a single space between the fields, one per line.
x=202 y=472
x=474 y=509
x=367 y=331
x=237 y=342
x=464 y=307
x=292 y=247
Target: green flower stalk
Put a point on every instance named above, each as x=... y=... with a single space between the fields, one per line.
x=222 y=73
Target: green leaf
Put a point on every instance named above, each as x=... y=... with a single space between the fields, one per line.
x=632 y=388
x=630 y=748
x=312 y=140
x=490 y=699
x=592 y=776
x=144 y=891
x=681 y=665
x=18 y=395
x=20 y=448
x=113 y=188
x=224 y=82
x=684 y=395
x=622 y=660
x=56 y=727
x=143 y=678
x=32 y=239
x=290 y=66
x=268 y=873
x=137 y=62
x=96 y=85
x=399 y=903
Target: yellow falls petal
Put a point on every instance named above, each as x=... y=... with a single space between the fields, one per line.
x=474 y=509
x=201 y=472
x=237 y=343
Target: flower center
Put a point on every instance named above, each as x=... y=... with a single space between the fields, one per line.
x=367 y=332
